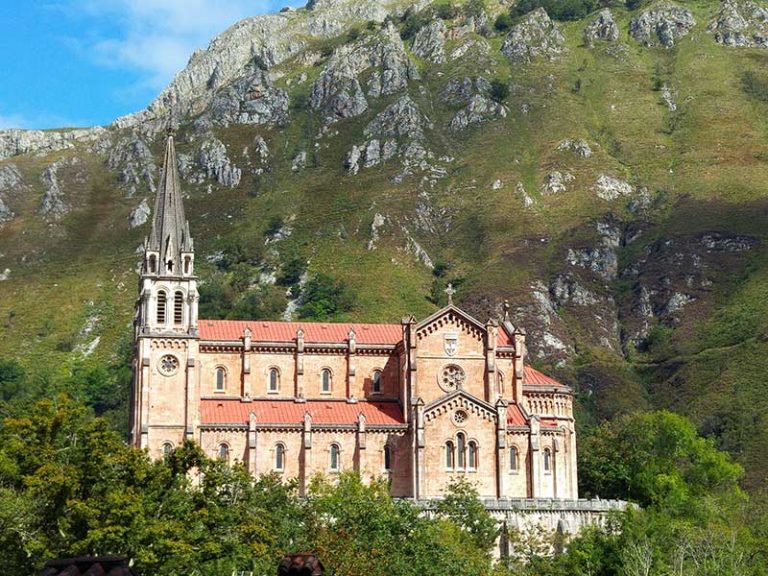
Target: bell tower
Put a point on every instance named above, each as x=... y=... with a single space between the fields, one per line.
x=165 y=327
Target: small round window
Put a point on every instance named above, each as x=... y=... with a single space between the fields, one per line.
x=460 y=417
x=169 y=364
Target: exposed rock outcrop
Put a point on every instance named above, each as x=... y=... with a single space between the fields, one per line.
x=6 y=214
x=479 y=110
x=555 y=182
x=663 y=24
x=214 y=161
x=460 y=91
x=741 y=23
x=249 y=100
x=140 y=215
x=53 y=207
x=338 y=94
x=16 y=142
x=133 y=160
x=401 y=119
x=579 y=147
x=601 y=28
x=429 y=42
x=610 y=188
x=535 y=36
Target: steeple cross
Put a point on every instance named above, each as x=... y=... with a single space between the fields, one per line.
x=450 y=291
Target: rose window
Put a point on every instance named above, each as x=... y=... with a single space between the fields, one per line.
x=169 y=364
x=460 y=417
x=452 y=377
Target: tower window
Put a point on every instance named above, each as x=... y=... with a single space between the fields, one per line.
x=461 y=449
x=224 y=452
x=187 y=265
x=279 y=457
x=273 y=384
x=335 y=458
x=387 y=457
x=377 y=382
x=167 y=449
x=162 y=302
x=450 y=455
x=325 y=381
x=514 y=459
x=221 y=379
x=547 y=460
x=178 y=308
x=472 y=455
x=153 y=264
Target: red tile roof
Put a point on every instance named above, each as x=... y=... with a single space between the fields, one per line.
x=290 y=412
x=314 y=332
x=263 y=331
x=532 y=377
x=515 y=416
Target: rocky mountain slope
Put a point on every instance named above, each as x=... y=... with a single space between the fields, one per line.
x=606 y=176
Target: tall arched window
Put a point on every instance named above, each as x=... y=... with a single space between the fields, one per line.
x=325 y=381
x=162 y=303
x=500 y=378
x=335 y=457
x=472 y=455
x=187 y=265
x=221 y=379
x=178 y=308
x=279 y=457
x=387 y=457
x=377 y=382
x=461 y=446
x=450 y=455
x=167 y=449
x=547 y=460
x=273 y=383
x=514 y=459
x=153 y=264
x=224 y=452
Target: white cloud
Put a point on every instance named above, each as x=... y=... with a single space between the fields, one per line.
x=157 y=37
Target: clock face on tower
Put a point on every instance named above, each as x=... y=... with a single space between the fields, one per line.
x=168 y=365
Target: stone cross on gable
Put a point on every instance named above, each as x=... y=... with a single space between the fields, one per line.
x=450 y=291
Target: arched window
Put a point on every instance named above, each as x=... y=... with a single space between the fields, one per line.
x=472 y=455
x=500 y=379
x=153 y=264
x=377 y=382
x=273 y=381
x=547 y=460
x=325 y=381
x=450 y=455
x=178 y=308
x=221 y=379
x=187 y=265
x=279 y=457
x=387 y=457
x=224 y=452
x=167 y=449
x=335 y=457
x=514 y=459
x=461 y=445
x=162 y=302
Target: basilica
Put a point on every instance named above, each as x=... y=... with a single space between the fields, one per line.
x=419 y=402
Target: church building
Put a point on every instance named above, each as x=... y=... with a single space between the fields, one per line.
x=419 y=402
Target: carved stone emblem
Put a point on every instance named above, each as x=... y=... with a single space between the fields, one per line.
x=451 y=344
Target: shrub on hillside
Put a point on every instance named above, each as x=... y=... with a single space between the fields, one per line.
x=326 y=298
x=557 y=9
x=499 y=90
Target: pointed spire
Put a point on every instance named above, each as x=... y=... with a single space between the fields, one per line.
x=170 y=230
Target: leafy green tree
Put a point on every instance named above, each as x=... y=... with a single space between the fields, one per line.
x=654 y=458
x=462 y=506
x=326 y=298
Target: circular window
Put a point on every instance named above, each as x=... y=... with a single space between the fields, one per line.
x=460 y=417
x=169 y=364
x=452 y=378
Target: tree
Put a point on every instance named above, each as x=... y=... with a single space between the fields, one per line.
x=462 y=506
x=654 y=458
x=325 y=298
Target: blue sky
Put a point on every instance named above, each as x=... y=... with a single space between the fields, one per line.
x=86 y=62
